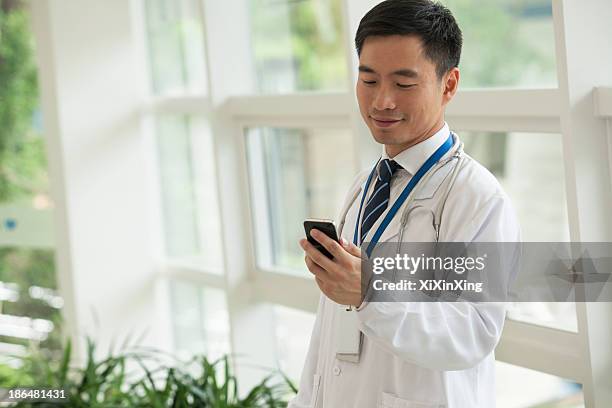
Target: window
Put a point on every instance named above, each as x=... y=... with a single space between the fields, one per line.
x=529 y=167
x=201 y=321
x=30 y=305
x=518 y=387
x=298 y=45
x=188 y=190
x=176 y=46
x=507 y=43
x=290 y=181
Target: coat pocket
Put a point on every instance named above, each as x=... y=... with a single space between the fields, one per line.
x=388 y=400
x=316 y=381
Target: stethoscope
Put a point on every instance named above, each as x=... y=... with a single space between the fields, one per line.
x=436 y=213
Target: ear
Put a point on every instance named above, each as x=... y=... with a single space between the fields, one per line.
x=450 y=83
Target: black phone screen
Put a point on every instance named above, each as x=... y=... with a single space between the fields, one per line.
x=325 y=226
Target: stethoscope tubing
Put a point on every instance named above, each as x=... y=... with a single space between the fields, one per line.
x=437 y=215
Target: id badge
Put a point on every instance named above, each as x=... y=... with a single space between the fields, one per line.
x=348 y=336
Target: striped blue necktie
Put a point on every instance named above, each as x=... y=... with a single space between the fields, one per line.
x=379 y=200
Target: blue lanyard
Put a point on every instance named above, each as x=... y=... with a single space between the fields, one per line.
x=432 y=160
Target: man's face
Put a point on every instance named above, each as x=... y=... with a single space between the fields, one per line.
x=400 y=97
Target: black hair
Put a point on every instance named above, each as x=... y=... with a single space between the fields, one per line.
x=433 y=23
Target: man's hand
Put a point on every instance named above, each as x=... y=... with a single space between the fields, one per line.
x=339 y=279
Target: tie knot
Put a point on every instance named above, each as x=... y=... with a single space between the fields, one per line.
x=386 y=168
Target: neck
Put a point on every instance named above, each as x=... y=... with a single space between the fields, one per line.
x=395 y=149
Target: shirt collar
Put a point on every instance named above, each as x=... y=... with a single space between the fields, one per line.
x=413 y=158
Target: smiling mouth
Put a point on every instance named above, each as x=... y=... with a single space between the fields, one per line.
x=385 y=122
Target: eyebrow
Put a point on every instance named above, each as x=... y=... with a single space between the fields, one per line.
x=405 y=72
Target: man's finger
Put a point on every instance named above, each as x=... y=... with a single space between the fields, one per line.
x=332 y=246
x=315 y=269
x=314 y=254
x=351 y=248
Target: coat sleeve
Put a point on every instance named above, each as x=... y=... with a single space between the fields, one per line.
x=446 y=335
x=309 y=379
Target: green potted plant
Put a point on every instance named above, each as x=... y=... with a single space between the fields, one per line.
x=144 y=378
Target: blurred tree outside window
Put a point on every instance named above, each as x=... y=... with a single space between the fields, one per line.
x=506 y=43
x=298 y=45
x=29 y=303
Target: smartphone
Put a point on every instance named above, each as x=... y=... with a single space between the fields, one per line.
x=325 y=226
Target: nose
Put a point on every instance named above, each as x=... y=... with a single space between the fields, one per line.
x=384 y=99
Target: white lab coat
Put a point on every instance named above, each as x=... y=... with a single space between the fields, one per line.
x=417 y=355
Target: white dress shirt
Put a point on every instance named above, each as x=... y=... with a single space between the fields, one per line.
x=417 y=355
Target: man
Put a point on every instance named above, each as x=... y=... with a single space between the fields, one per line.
x=410 y=354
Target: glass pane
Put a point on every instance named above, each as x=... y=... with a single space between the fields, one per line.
x=201 y=321
x=189 y=199
x=30 y=306
x=298 y=45
x=506 y=43
x=290 y=180
x=529 y=166
x=176 y=46
x=519 y=387
x=293 y=330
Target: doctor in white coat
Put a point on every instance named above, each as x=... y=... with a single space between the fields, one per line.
x=410 y=354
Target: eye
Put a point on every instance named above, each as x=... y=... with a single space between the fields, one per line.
x=404 y=86
x=368 y=82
